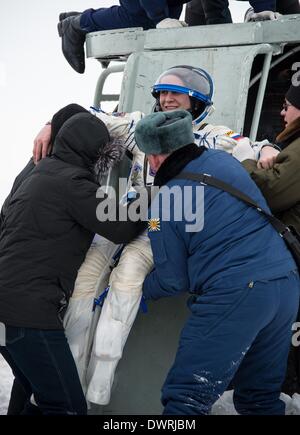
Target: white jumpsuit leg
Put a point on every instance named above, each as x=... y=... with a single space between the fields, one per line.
x=117 y=316
x=92 y=279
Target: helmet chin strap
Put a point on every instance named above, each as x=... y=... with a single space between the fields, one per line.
x=207 y=112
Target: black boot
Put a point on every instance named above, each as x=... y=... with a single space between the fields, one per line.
x=73 y=38
x=64 y=15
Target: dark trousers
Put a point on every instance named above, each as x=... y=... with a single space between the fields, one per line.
x=288 y=7
x=129 y=14
x=239 y=333
x=43 y=364
x=291 y=383
x=284 y=7
x=21 y=389
x=200 y=12
x=19 y=399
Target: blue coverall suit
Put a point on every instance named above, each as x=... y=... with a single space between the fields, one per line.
x=131 y=13
x=262 y=5
x=245 y=295
x=200 y=12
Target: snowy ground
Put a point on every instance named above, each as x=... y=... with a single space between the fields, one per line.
x=224 y=406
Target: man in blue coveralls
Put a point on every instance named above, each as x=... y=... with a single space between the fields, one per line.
x=243 y=281
x=73 y=26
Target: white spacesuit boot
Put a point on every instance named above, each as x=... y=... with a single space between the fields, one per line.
x=117 y=316
x=92 y=278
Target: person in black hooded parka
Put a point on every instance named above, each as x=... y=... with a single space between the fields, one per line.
x=47 y=224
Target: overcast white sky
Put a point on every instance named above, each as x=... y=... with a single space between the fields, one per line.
x=36 y=80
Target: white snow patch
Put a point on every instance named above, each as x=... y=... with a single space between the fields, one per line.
x=292 y=404
x=200 y=379
x=224 y=406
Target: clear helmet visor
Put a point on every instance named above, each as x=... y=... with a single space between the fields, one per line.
x=194 y=82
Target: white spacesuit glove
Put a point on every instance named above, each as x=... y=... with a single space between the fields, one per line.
x=170 y=23
x=246 y=149
x=250 y=16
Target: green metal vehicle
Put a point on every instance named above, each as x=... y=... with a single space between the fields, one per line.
x=251 y=64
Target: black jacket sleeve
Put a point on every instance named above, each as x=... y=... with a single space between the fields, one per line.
x=101 y=215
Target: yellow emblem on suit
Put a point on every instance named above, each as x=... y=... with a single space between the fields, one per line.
x=154 y=224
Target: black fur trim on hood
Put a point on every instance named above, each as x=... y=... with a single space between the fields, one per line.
x=111 y=154
x=80 y=140
x=175 y=163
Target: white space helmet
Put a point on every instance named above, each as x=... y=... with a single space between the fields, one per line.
x=198 y=85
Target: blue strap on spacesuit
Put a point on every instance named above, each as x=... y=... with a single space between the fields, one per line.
x=263 y=5
x=100 y=299
x=117 y=255
x=143 y=305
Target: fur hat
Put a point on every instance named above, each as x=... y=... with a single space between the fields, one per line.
x=293 y=96
x=164 y=132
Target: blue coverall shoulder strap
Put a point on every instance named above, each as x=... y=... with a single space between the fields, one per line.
x=288 y=233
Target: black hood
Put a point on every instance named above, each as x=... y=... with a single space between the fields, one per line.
x=62 y=116
x=80 y=140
